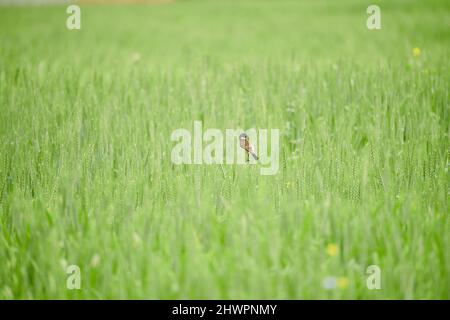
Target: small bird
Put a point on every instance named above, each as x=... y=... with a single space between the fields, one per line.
x=244 y=143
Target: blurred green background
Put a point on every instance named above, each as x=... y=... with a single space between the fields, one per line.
x=85 y=171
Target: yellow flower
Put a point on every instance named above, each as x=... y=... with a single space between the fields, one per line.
x=416 y=52
x=332 y=249
x=342 y=282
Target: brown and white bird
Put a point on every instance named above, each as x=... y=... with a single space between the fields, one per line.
x=244 y=143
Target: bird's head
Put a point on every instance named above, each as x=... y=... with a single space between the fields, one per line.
x=243 y=136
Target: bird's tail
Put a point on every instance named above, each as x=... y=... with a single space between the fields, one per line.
x=254 y=156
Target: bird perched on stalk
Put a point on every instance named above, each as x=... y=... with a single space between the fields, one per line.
x=244 y=143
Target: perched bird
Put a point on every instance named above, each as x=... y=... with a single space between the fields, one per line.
x=244 y=143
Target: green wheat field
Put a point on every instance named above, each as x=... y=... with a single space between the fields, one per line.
x=86 y=176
